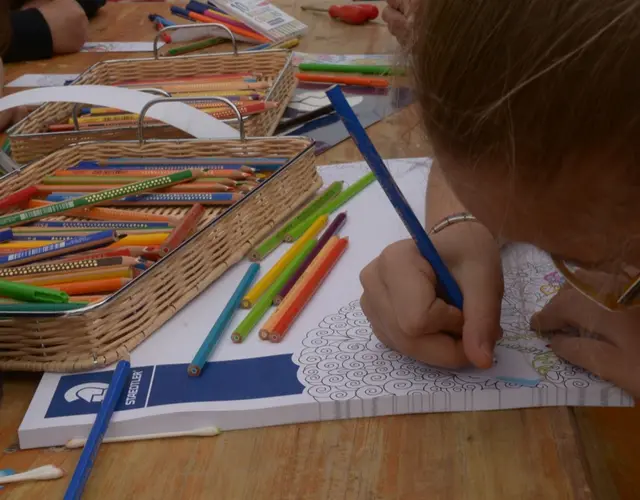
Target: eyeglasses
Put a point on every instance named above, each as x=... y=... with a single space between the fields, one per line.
x=617 y=293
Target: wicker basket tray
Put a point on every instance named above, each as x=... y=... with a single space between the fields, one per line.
x=103 y=333
x=30 y=140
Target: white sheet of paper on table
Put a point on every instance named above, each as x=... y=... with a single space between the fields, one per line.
x=329 y=365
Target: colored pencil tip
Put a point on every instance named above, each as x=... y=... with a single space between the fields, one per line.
x=193 y=371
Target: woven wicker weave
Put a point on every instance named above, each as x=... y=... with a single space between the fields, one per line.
x=30 y=139
x=107 y=332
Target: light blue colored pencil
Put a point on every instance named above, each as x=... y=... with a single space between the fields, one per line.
x=211 y=341
x=88 y=456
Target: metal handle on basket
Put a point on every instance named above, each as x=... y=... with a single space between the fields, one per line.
x=156 y=55
x=74 y=110
x=146 y=107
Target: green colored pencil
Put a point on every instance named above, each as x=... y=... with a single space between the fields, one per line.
x=330 y=206
x=34 y=307
x=192 y=47
x=6 y=147
x=99 y=197
x=271 y=243
x=263 y=304
x=362 y=69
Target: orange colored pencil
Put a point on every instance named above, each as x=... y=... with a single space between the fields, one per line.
x=91 y=287
x=147 y=252
x=79 y=276
x=283 y=306
x=344 y=80
x=234 y=29
x=186 y=79
x=109 y=214
x=310 y=285
x=214 y=86
x=183 y=230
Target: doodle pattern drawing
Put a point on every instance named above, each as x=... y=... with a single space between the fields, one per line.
x=342 y=360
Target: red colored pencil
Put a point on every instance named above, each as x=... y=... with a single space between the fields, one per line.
x=183 y=230
x=91 y=287
x=18 y=198
x=308 y=285
x=344 y=80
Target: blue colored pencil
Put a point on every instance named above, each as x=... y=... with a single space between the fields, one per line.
x=450 y=291
x=88 y=456
x=211 y=341
x=6 y=235
x=93 y=240
x=262 y=46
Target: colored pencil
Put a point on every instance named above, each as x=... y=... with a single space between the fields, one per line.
x=6 y=235
x=448 y=287
x=234 y=29
x=362 y=69
x=193 y=47
x=59 y=248
x=264 y=303
x=272 y=242
x=32 y=307
x=109 y=214
x=285 y=44
x=308 y=288
x=53 y=267
x=179 y=199
x=359 y=81
x=267 y=327
x=103 y=253
x=143 y=240
x=331 y=230
x=205 y=10
x=330 y=206
x=268 y=279
x=91 y=287
x=146 y=82
x=250 y=161
x=125 y=176
x=111 y=194
x=81 y=276
x=158 y=226
x=99 y=428
x=18 y=198
x=214 y=335
x=28 y=292
x=212 y=187
x=182 y=231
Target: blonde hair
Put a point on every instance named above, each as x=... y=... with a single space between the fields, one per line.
x=530 y=82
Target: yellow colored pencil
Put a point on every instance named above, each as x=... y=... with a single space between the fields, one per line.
x=140 y=240
x=267 y=280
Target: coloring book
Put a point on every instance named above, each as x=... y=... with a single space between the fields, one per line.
x=330 y=365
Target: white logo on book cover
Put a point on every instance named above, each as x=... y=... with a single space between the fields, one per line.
x=91 y=392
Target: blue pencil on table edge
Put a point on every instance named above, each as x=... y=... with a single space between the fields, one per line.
x=162 y=20
x=450 y=291
x=214 y=335
x=98 y=430
x=88 y=241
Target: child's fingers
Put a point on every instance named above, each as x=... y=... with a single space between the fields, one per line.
x=601 y=358
x=482 y=307
x=410 y=284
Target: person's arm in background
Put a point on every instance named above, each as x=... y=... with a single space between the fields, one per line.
x=43 y=28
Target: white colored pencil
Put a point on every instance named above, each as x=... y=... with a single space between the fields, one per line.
x=202 y=432
x=43 y=473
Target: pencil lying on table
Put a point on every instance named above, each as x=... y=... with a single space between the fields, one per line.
x=306 y=287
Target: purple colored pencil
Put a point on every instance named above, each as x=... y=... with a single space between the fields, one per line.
x=333 y=228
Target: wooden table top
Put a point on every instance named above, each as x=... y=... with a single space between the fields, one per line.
x=550 y=453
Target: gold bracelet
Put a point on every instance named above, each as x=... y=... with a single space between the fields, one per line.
x=451 y=220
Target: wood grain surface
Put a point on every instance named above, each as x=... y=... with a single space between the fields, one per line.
x=548 y=453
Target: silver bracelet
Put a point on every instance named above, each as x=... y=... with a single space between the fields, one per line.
x=451 y=220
